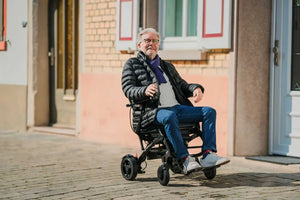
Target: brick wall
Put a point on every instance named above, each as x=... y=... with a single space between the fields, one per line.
x=215 y=62
x=100 y=34
x=101 y=55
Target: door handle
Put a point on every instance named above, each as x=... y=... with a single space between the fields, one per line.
x=51 y=56
x=276 y=53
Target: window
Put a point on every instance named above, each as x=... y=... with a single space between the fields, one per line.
x=2 y=24
x=180 y=20
x=195 y=24
x=178 y=24
x=185 y=25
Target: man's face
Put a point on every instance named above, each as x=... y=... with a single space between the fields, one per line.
x=149 y=45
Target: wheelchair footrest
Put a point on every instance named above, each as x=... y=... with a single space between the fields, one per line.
x=156 y=154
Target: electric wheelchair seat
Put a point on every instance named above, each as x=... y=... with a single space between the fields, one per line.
x=155 y=145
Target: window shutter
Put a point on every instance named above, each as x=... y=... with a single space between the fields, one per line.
x=2 y=25
x=216 y=24
x=127 y=24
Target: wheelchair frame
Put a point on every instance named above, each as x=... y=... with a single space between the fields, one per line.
x=159 y=147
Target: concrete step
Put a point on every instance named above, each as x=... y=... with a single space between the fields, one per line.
x=55 y=130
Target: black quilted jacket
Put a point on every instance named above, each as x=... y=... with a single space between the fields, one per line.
x=137 y=75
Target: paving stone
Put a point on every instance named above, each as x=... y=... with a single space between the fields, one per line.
x=41 y=166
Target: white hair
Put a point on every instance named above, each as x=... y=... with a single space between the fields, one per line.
x=147 y=30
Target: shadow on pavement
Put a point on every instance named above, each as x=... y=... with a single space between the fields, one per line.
x=252 y=179
x=232 y=180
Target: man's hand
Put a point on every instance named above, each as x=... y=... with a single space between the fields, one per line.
x=198 y=95
x=151 y=90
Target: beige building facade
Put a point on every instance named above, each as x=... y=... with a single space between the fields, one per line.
x=75 y=51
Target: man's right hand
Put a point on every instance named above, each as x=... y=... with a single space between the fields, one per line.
x=151 y=90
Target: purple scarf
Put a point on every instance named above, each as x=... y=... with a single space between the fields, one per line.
x=154 y=64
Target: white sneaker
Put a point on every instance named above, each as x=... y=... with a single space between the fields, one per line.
x=212 y=160
x=190 y=164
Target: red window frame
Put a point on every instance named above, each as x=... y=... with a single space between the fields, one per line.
x=3 y=42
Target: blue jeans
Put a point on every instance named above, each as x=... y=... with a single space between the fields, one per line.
x=170 y=118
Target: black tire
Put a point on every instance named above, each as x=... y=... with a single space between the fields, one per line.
x=163 y=175
x=129 y=167
x=210 y=173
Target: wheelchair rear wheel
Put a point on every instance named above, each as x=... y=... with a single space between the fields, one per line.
x=163 y=174
x=210 y=173
x=129 y=167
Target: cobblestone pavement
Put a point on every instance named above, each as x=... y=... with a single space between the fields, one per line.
x=41 y=166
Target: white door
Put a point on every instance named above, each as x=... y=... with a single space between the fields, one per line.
x=285 y=79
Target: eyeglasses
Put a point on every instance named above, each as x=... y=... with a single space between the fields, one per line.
x=154 y=41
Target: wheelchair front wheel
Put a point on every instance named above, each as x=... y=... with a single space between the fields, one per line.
x=210 y=173
x=129 y=167
x=163 y=174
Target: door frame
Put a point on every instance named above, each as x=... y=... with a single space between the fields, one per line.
x=272 y=74
x=38 y=64
x=38 y=69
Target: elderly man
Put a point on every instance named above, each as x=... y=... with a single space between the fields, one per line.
x=149 y=77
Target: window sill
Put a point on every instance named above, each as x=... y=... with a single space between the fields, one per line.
x=2 y=46
x=182 y=55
